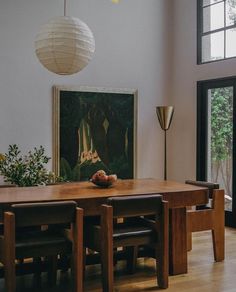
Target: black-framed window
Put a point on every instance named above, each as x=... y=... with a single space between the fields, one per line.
x=216 y=30
x=216 y=138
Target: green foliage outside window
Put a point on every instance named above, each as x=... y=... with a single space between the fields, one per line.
x=222 y=134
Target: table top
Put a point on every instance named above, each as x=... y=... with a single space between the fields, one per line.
x=178 y=194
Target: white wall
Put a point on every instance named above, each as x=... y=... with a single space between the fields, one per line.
x=182 y=156
x=132 y=51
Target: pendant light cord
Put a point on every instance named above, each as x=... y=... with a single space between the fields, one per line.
x=64 y=7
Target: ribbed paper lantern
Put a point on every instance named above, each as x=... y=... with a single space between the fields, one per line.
x=65 y=45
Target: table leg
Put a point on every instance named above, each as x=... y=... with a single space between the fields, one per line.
x=178 y=242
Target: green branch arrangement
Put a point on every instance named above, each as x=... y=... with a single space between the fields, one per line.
x=26 y=170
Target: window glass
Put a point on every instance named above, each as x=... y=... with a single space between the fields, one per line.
x=220 y=140
x=230 y=43
x=209 y=2
x=213 y=17
x=213 y=47
x=230 y=12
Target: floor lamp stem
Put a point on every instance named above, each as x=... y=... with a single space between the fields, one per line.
x=165 y=161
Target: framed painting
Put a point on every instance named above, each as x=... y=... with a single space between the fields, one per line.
x=93 y=129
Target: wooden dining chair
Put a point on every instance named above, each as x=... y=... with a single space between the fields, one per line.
x=1 y=211
x=107 y=235
x=209 y=217
x=20 y=240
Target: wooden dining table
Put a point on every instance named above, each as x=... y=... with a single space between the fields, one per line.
x=90 y=197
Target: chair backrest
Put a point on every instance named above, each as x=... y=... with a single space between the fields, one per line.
x=210 y=185
x=33 y=214
x=131 y=206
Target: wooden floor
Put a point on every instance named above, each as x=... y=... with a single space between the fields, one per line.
x=204 y=274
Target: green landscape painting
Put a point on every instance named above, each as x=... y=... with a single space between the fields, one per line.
x=96 y=131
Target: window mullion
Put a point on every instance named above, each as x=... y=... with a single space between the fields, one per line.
x=225 y=29
x=212 y=4
x=218 y=30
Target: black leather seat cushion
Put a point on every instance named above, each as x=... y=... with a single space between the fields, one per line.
x=121 y=231
x=127 y=230
x=35 y=242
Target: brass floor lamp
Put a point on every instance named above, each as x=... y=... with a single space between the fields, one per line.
x=165 y=114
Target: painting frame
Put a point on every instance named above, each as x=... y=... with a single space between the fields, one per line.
x=59 y=91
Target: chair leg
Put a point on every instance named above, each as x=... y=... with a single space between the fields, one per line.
x=10 y=274
x=189 y=234
x=65 y=262
x=106 y=248
x=78 y=251
x=189 y=241
x=37 y=275
x=218 y=232
x=107 y=268
x=132 y=255
x=52 y=274
x=9 y=252
x=162 y=274
x=84 y=261
x=218 y=238
x=162 y=250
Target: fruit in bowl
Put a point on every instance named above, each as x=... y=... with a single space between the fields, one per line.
x=100 y=178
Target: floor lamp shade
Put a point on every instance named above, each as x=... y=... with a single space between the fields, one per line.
x=165 y=114
x=64 y=45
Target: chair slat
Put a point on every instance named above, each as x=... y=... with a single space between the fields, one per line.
x=130 y=206
x=44 y=213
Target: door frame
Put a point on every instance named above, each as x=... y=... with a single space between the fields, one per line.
x=202 y=119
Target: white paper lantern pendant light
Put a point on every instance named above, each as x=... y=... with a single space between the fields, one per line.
x=64 y=45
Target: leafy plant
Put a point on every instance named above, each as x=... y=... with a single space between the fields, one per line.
x=27 y=170
x=222 y=135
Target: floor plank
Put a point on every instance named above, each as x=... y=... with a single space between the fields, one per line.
x=204 y=274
